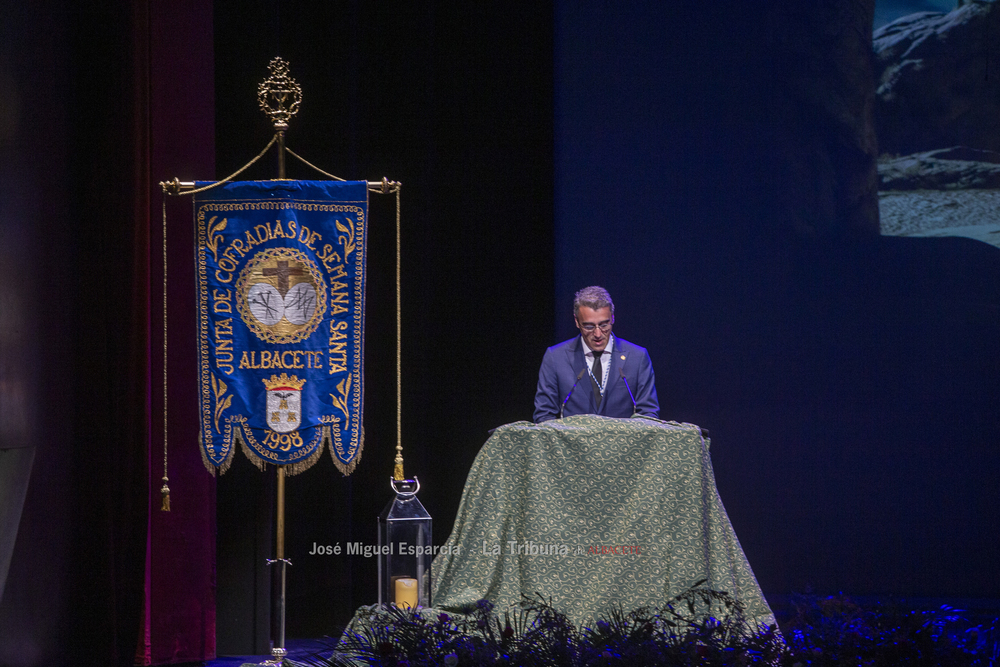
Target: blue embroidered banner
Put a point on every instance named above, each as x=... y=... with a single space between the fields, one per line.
x=281 y=284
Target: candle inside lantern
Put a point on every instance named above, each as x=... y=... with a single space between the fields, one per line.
x=406 y=592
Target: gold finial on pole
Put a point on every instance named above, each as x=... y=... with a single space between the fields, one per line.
x=171 y=187
x=279 y=96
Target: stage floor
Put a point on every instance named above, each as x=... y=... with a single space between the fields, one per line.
x=298 y=650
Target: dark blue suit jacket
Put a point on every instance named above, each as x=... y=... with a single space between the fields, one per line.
x=563 y=362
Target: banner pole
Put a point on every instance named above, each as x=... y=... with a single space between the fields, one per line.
x=281 y=150
x=278 y=650
x=282 y=562
x=279 y=97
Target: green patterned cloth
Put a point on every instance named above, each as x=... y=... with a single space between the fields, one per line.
x=594 y=513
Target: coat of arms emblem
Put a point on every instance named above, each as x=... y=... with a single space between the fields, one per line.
x=284 y=402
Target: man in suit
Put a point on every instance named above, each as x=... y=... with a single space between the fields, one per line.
x=595 y=367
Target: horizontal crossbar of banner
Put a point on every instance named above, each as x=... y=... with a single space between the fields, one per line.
x=384 y=186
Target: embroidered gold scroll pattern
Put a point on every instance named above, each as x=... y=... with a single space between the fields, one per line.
x=219 y=389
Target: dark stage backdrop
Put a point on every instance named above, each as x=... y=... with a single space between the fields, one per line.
x=454 y=100
x=720 y=156
x=850 y=382
x=36 y=341
x=726 y=175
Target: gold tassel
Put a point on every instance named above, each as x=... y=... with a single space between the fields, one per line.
x=398 y=471
x=165 y=493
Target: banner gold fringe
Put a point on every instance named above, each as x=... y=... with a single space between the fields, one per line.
x=291 y=468
x=229 y=461
x=304 y=464
x=331 y=431
x=204 y=457
x=250 y=454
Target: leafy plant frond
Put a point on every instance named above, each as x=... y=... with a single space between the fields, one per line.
x=700 y=626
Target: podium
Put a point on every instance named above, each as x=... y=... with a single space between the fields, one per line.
x=594 y=513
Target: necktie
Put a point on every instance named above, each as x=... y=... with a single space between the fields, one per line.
x=598 y=375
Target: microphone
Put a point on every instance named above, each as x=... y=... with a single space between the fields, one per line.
x=622 y=371
x=578 y=376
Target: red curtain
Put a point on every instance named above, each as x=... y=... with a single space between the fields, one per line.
x=176 y=122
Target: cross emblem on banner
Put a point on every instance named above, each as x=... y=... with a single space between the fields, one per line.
x=283 y=272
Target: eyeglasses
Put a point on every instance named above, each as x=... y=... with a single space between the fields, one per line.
x=605 y=327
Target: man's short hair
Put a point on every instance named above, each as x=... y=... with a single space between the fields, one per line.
x=593 y=297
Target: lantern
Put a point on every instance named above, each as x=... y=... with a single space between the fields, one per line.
x=405 y=551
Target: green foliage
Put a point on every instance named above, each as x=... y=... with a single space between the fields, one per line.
x=835 y=632
x=699 y=627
